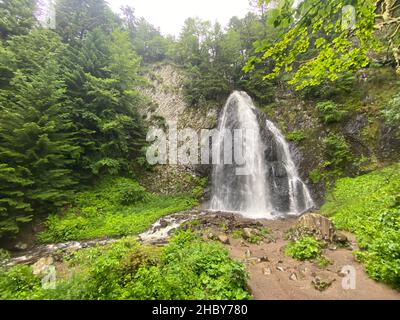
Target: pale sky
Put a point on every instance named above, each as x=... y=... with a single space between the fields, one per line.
x=169 y=15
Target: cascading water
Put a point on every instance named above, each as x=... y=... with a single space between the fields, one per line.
x=270 y=185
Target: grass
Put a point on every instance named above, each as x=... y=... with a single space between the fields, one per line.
x=188 y=268
x=306 y=248
x=117 y=207
x=369 y=206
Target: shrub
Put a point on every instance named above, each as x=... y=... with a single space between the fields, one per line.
x=296 y=136
x=329 y=112
x=187 y=268
x=307 y=248
x=18 y=283
x=337 y=151
x=392 y=111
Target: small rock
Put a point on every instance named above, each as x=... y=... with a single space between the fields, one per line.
x=243 y=243
x=293 y=277
x=281 y=269
x=322 y=283
x=21 y=246
x=341 y=238
x=223 y=238
x=247 y=233
x=247 y=253
x=254 y=261
x=212 y=236
x=163 y=223
x=303 y=273
x=267 y=271
x=332 y=247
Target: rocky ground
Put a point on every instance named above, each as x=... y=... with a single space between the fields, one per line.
x=261 y=246
x=275 y=276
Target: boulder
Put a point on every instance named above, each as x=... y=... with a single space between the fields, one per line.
x=42 y=265
x=341 y=238
x=317 y=225
x=247 y=233
x=223 y=238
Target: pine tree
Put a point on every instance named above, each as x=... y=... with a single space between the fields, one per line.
x=37 y=144
x=16 y=17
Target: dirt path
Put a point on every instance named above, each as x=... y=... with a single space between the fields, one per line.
x=283 y=278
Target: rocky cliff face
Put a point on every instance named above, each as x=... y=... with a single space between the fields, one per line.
x=169 y=106
x=362 y=140
x=366 y=141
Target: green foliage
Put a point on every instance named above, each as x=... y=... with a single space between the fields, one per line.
x=369 y=206
x=37 y=148
x=330 y=112
x=116 y=207
x=296 y=136
x=307 y=248
x=191 y=269
x=323 y=262
x=76 y=18
x=187 y=268
x=17 y=17
x=316 y=175
x=338 y=152
x=68 y=111
x=4 y=255
x=392 y=111
x=315 y=45
x=18 y=283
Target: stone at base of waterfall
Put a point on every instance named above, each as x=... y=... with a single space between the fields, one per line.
x=249 y=232
x=42 y=265
x=223 y=238
x=319 y=226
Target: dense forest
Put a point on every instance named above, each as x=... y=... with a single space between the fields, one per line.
x=75 y=110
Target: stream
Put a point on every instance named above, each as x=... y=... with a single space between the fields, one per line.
x=157 y=234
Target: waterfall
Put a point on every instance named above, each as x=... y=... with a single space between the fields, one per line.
x=265 y=183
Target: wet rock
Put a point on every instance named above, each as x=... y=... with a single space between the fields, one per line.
x=42 y=265
x=163 y=223
x=21 y=246
x=223 y=238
